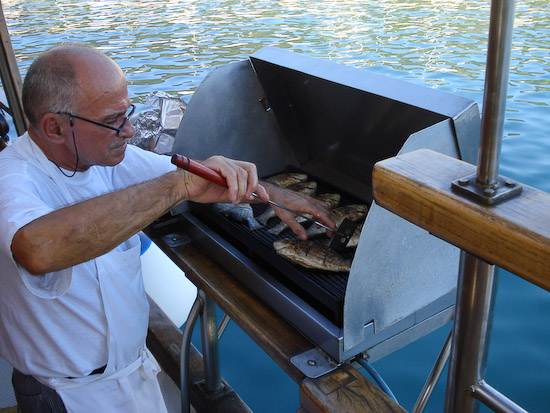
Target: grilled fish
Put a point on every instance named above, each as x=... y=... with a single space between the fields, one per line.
x=330 y=200
x=310 y=254
x=354 y=240
x=266 y=216
x=281 y=226
x=308 y=188
x=353 y=212
x=287 y=179
x=240 y=213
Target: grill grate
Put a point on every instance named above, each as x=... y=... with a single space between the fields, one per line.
x=333 y=283
x=324 y=291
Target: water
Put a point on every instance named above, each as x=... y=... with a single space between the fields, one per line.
x=172 y=45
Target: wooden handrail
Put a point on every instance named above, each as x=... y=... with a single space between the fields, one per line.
x=513 y=234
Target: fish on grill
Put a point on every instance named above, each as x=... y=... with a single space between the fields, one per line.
x=239 y=212
x=354 y=240
x=307 y=188
x=266 y=216
x=353 y=212
x=313 y=255
x=330 y=200
x=287 y=179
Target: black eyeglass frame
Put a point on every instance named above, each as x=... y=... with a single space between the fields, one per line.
x=118 y=130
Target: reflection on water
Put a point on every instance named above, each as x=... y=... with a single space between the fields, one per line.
x=171 y=46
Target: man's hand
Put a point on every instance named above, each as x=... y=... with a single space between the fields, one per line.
x=300 y=203
x=241 y=178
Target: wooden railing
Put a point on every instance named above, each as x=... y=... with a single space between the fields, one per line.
x=513 y=235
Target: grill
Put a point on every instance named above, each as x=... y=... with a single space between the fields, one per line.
x=290 y=112
x=323 y=291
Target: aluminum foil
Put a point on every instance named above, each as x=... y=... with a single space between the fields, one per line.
x=155 y=129
x=147 y=128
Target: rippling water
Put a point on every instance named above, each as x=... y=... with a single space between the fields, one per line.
x=172 y=45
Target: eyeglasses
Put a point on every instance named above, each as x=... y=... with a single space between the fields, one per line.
x=131 y=111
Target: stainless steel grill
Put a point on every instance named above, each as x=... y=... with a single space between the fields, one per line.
x=283 y=110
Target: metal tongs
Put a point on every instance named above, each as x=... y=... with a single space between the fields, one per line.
x=340 y=237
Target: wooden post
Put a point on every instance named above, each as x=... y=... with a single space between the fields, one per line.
x=11 y=78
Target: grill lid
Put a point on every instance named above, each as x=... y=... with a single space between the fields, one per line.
x=230 y=116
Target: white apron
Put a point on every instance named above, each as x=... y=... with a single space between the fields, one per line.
x=124 y=386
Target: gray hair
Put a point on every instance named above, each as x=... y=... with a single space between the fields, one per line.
x=51 y=83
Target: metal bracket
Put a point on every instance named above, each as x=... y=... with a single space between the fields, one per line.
x=164 y=225
x=265 y=104
x=503 y=189
x=313 y=363
x=176 y=240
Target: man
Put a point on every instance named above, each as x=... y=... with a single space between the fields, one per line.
x=73 y=195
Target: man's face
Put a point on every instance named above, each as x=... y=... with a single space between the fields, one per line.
x=104 y=99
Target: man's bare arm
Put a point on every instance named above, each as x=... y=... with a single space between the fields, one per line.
x=88 y=229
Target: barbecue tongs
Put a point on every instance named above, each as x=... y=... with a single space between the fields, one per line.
x=340 y=237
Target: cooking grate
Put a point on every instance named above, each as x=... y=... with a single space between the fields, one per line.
x=323 y=290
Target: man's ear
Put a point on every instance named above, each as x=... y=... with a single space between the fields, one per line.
x=53 y=127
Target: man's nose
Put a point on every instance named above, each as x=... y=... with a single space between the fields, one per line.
x=128 y=130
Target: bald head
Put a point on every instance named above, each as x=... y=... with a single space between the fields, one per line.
x=57 y=79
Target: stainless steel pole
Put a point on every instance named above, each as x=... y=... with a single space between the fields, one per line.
x=495 y=400
x=209 y=335
x=473 y=316
x=476 y=280
x=185 y=383
x=434 y=375
x=496 y=86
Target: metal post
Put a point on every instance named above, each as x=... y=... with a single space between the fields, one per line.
x=223 y=325
x=209 y=335
x=434 y=375
x=495 y=400
x=496 y=86
x=473 y=316
x=486 y=185
x=185 y=383
x=476 y=284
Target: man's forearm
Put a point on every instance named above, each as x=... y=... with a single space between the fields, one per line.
x=299 y=203
x=86 y=230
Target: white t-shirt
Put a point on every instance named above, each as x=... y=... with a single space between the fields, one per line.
x=55 y=325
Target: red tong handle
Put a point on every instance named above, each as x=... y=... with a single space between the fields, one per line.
x=198 y=169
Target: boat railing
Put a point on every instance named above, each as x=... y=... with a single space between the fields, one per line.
x=492 y=219
x=513 y=235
